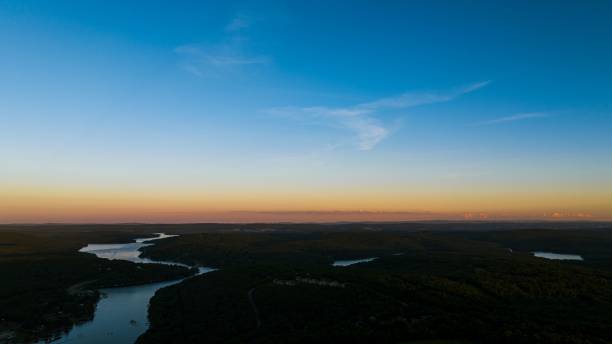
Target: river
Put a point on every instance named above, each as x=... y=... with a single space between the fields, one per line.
x=121 y=313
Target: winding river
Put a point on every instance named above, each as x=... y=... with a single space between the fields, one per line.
x=121 y=313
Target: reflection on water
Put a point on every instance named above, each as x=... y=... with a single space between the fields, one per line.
x=159 y=236
x=352 y=261
x=557 y=256
x=129 y=251
x=121 y=313
x=121 y=316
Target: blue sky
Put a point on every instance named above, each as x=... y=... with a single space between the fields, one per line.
x=385 y=97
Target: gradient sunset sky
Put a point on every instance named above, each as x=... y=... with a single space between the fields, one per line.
x=153 y=111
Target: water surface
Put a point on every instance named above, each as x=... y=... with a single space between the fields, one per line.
x=129 y=251
x=121 y=313
x=352 y=261
x=557 y=256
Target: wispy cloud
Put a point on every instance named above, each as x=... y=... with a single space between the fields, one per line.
x=514 y=118
x=411 y=99
x=204 y=59
x=369 y=130
x=228 y=54
x=362 y=119
x=239 y=22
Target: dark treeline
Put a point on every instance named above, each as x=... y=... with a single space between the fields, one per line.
x=432 y=282
x=305 y=227
x=441 y=286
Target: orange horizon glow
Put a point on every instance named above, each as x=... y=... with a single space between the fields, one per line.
x=65 y=205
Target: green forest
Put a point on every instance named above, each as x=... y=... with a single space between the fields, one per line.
x=479 y=287
x=429 y=283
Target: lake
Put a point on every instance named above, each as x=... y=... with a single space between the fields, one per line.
x=557 y=256
x=352 y=261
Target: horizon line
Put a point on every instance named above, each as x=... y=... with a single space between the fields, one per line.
x=518 y=220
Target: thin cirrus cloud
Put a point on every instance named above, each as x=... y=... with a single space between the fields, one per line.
x=514 y=118
x=239 y=22
x=228 y=54
x=203 y=59
x=363 y=119
x=207 y=60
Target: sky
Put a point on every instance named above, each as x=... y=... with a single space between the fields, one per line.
x=179 y=111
